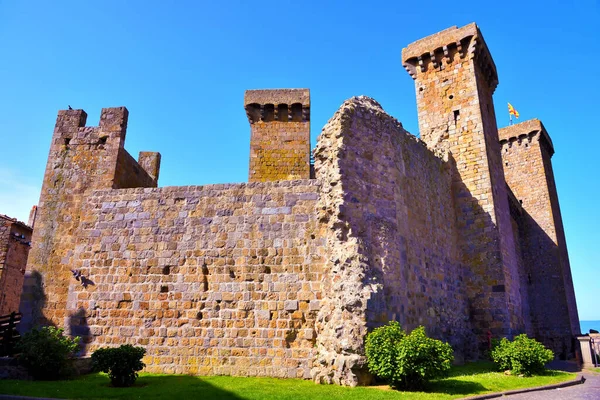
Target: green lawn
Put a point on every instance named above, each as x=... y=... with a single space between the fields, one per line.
x=471 y=379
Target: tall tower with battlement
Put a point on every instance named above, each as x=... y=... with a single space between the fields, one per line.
x=455 y=78
x=526 y=152
x=280 y=134
x=81 y=159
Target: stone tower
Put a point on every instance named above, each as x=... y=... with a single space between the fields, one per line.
x=455 y=78
x=527 y=151
x=81 y=159
x=280 y=134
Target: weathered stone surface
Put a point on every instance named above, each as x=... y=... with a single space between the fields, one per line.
x=389 y=257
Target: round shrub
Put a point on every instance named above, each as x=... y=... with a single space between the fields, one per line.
x=522 y=356
x=407 y=361
x=121 y=363
x=46 y=353
x=380 y=348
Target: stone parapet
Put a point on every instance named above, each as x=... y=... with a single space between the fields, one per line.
x=526 y=130
x=436 y=50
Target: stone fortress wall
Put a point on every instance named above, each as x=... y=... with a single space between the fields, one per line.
x=285 y=275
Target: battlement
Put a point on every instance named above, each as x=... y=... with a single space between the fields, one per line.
x=70 y=129
x=282 y=105
x=99 y=151
x=526 y=130
x=440 y=49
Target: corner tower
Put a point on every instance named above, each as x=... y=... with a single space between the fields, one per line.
x=526 y=152
x=455 y=78
x=81 y=159
x=280 y=134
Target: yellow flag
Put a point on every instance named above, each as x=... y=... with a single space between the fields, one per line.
x=511 y=110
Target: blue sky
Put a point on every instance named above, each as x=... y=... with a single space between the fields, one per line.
x=181 y=69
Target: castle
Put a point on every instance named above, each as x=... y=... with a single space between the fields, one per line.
x=459 y=231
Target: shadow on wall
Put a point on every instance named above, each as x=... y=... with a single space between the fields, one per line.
x=78 y=326
x=33 y=301
x=546 y=287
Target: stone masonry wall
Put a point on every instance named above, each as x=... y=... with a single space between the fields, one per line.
x=527 y=152
x=221 y=279
x=13 y=260
x=391 y=240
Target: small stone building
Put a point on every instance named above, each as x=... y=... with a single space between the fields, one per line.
x=15 y=242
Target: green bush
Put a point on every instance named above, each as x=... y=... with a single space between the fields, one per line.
x=522 y=356
x=381 y=351
x=121 y=363
x=46 y=353
x=406 y=361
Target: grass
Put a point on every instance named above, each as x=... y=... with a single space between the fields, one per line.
x=467 y=380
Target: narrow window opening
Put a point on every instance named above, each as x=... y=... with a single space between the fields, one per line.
x=456 y=116
x=166 y=270
x=164 y=289
x=67 y=141
x=102 y=140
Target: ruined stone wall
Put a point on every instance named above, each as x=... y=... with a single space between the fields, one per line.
x=455 y=78
x=15 y=239
x=527 y=152
x=221 y=279
x=391 y=240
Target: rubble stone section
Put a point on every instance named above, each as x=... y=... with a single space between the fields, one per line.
x=15 y=241
x=455 y=78
x=527 y=151
x=391 y=250
x=280 y=134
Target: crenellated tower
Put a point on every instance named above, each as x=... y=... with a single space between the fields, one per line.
x=455 y=78
x=280 y=134
x=81 y=159
x=526 y=152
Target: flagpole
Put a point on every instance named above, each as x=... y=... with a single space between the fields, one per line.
x=509 y=119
